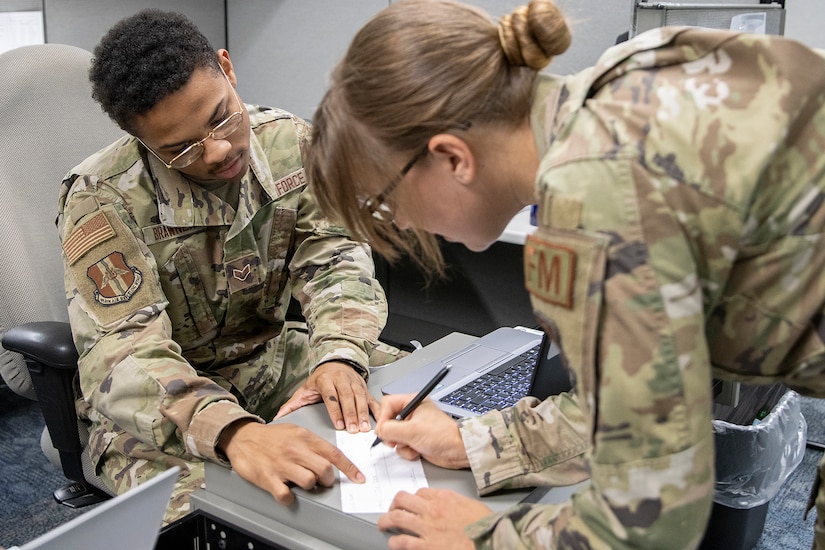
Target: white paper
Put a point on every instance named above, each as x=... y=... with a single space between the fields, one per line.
x=20 y=28
x=386 y=473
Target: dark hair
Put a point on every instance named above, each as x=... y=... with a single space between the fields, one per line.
x=144 y=58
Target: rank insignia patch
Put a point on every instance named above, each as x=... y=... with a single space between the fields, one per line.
x=116 y=281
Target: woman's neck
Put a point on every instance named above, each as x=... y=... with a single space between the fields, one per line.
x=516 y=162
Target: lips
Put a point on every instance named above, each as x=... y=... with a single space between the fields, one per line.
x=229 y=171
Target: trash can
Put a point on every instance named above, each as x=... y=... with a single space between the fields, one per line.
x=759 y=443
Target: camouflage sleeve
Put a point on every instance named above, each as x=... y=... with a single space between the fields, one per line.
x=131 y=370
x=530 y=444
x=334 y=280
x=642 y=378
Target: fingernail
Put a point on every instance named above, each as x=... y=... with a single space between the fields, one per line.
x=365 y=426
x=359 y=477
x=339 y=425
x=353 y=428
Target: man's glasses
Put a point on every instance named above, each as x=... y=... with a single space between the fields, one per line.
x=376 y=205
x=222 y=130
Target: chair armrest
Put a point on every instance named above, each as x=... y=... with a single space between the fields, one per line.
x=47 y=342
x=51 y=357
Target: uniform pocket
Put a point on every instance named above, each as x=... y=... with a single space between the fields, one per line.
x=188 y=308
x=564 y=274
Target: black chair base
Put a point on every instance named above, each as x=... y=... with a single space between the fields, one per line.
x=79 y=495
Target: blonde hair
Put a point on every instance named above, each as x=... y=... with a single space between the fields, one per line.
x=418 y=68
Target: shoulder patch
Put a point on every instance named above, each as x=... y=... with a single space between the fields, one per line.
x=550 y=271
x=115 y=280
x=89 y=234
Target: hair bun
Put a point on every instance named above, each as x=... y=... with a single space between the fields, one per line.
x=533 y=34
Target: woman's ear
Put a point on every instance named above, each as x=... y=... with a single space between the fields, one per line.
x=456 y=155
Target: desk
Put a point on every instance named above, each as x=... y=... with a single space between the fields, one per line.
x=315 y=520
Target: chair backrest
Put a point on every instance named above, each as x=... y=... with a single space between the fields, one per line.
x=49 y=124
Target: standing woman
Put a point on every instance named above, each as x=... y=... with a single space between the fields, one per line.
x=680 y=186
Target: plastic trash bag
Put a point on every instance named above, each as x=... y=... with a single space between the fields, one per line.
x=753 y=461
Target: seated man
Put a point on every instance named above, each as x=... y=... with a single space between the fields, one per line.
x=184 y=242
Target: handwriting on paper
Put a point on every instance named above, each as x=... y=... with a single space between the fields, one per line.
x=386 y=473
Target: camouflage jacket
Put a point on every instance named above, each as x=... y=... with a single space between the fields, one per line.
x=177 y=299
x=681 y=212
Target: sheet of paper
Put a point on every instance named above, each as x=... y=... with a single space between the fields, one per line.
x=20 y=28
x=386 y=473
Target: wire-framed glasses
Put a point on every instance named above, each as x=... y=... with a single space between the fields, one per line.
x=221 y=130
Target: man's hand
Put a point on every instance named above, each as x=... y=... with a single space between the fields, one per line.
x=273 y=455
x=431 y=518
x=344 y=393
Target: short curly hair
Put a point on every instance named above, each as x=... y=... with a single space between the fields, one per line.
x=144 y=58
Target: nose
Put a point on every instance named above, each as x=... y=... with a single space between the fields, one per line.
x=215 y=150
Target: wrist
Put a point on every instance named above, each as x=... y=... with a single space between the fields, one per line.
x=362 y=371
x=229 y=432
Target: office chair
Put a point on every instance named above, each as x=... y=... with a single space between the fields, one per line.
x=49 y=124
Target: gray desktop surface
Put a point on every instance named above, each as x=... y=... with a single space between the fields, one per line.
x=315 y=519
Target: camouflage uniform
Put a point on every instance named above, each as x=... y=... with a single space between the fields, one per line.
x=681 y=212
x=178 y=300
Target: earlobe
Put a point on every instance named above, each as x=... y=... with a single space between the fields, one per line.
x=457 y=153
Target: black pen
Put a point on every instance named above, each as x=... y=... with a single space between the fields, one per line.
x=416 y=401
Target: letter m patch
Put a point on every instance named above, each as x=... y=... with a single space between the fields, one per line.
x=549 y=271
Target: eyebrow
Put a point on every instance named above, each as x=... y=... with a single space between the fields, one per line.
x=220 y=106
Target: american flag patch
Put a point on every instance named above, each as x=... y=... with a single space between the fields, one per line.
x=83 y=238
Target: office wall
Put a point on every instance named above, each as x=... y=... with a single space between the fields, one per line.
x=82 y=23
x=804 y=20
x=283 y=50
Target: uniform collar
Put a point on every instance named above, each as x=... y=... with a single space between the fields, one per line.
x=182 y=203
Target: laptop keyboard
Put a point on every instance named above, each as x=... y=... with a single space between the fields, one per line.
x=499 y=388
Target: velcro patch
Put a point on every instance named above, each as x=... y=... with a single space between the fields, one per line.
x=116 y=281
x=550 y=271
x=88 y=235
x=293 y=181
x=243 y=273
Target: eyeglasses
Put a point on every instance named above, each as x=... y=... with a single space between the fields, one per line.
x=376 y=205
x=222 y=130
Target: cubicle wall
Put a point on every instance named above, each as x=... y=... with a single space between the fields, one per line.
x=284 y=50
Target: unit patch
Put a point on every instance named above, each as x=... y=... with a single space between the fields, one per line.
x=116 y=281
x=549 y=271
x=93 y=232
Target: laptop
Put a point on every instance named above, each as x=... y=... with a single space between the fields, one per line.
x=130 y=521
x=493 y=372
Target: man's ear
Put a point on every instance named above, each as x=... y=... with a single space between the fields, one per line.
x=226 y=65
x=456 y=154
